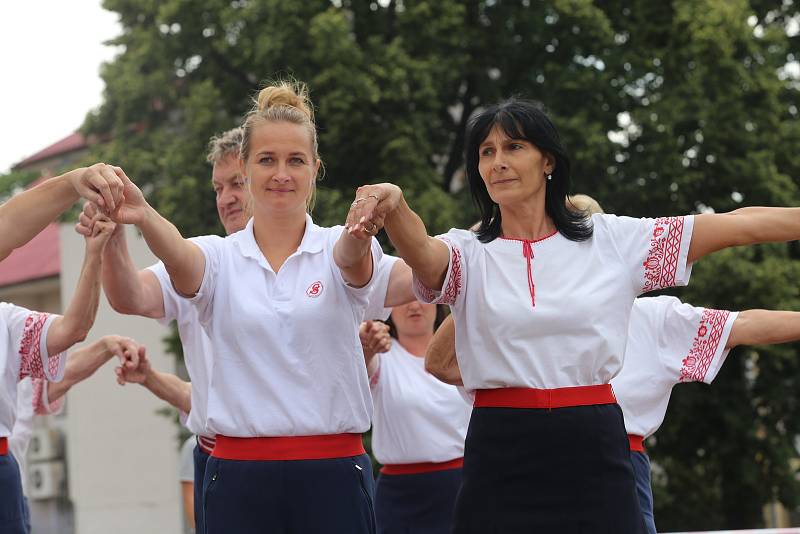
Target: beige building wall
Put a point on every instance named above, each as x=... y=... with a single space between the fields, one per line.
x=122 y=456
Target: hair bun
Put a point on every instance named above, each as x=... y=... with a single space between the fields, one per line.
x=285 y=94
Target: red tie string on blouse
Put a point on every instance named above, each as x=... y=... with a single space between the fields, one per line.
x=527 y=251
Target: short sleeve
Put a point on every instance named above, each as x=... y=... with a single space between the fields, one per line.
x=654 y=251
x=35 y=361
x=186 y=465
x=172 y=299
x=41 y=403
x=212 y=248
x=377 y=258
x=452 y=289
x=168 y=293
x=375 y=379
x=380 y=286
x=692 y=341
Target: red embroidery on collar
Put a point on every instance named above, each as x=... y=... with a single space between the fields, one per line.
x=705 y=345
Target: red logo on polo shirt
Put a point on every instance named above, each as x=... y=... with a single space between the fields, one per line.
x=314 y=290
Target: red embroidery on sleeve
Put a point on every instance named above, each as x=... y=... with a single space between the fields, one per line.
x=661 y=265
x=454 y=281
x=39 y=406
x=30 y=347
x=705 y=345
x=373 y=380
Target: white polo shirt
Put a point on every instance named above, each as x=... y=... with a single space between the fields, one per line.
x=417 y=417
x=563 y=322
x=31 y=400
x=287 y=357
x=669 y=342
x=23 y=353
x=197 y=353
x=197 y=350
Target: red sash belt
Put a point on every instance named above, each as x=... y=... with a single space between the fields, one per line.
x=3 y=446
x=289 y=447
x=206 y=444
x=544 y=398
x=423 y=467
x=636 y=442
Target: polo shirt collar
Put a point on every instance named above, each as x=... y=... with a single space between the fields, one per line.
x=312 y=242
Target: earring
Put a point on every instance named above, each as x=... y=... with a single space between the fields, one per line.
x=549 y=177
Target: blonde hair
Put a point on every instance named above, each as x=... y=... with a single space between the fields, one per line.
x=283 y=101
x=585 y=203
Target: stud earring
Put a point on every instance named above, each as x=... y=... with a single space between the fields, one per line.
x=549 y=177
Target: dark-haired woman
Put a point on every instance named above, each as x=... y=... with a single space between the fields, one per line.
x=418 y=430
x=541 y=298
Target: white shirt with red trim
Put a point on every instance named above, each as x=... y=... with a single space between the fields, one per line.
x=554 y=313
x=23 y=353
x=287 y=356
x=417 y=418
x=31 y=400
x=197 y=349
x=669 y=342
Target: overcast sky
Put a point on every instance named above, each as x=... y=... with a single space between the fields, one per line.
x=50 y=55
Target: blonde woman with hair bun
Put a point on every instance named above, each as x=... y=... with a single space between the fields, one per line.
x=281 y=302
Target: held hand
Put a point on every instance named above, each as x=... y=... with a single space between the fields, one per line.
x=101 y=228
x=99 y=184
x=375 y=338
x=129 y=374
x=368 y=210
x=133 y=207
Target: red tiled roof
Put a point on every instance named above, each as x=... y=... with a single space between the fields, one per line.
x=74 y=141
x=39 y=258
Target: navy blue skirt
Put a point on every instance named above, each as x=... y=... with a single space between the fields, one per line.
x=289 y=496
x=12 y=503
x=562 y=470
x=416 y=504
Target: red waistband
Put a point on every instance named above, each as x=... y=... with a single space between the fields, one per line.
x=544 y=398
x=636 y=443
x=288 y=447
x=423 y=467
x=3 y=446
x=206 y=443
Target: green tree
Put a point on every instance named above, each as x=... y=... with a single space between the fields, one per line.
x=667 y=107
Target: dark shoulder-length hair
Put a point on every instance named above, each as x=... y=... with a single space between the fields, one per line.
x=522 y=119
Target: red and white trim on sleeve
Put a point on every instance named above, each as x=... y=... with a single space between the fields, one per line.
x=376 y=376
x=41 y=403
x=661 y=264
x=453 y=282
x=705 y=345
x=30 y=349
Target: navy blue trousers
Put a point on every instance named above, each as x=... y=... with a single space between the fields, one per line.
x=416 y=504
x=200 y=458
x=564 y=471
x=289 y=497
x=12 y=503
x=641 y=469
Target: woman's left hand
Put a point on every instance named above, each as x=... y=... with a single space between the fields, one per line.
x=368 y=210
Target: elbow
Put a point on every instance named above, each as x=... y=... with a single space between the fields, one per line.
x=79 y=335
x=432 y=368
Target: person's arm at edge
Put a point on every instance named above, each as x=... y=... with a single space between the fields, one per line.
x=764 y=327
x=26 y=214
x=745 y=226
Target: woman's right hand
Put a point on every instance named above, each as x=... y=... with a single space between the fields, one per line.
x=372 y=204
x=132 y=209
